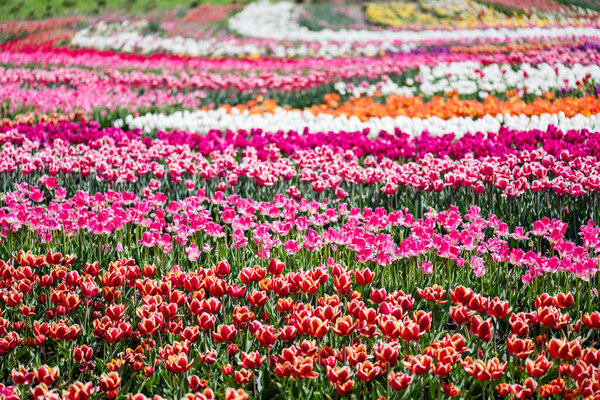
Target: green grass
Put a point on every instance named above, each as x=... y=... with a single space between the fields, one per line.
x=318 y=13
x=38 y=9
x=589 y=4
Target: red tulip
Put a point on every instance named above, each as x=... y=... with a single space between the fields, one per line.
x=283 y=370
x=227 y=369
x=364 y=276
x=482 y=371
x=243 y=376
x=423 y=319
x=82 y=354
x=539 y=367
x=524 y=391
x=481 y=328
x=46 y=375
x=592 y=321
x=357 y=354
x=410 y=331
x=441 y=369
x=399 y=381
x=109 y=382
x=345 y=387
x=498 y=308
x=418 y=364
x=78 y=391
x=233 y=394
x=460 y=314
x=390 y=327
x=434 y=294
x=451 y=390
x=285 y=305
x=193 y=382
x=275 y=267
x=178 y=363
x=564 y=300
x=40 y=392
x=317 y=327
x=257 y=298
x=378 y=295
x=222 y=269
x=563 y=349
x=22 y=376
x=339 y=375
x=367 y=371
x=303 y=368
x=461 y=295
x=343 y=326
x=591 y=356
x=518 y=326
x=224 y=333
x=387 y=352
x=252 y=360
x=521 y=348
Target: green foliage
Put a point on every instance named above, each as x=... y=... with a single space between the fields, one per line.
x=38 y=9
x=318 y=16
x=589 y=4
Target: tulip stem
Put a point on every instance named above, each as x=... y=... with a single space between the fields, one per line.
x=389 y=394
x=495 y=327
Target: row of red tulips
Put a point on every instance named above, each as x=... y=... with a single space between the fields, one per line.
x=132 y=329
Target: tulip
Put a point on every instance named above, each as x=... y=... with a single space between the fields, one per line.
x=364 y=276
x=524 y=391
x=498 y=308
x=222 y=269
x=378 y=295
x=251 y=360
x=434 y=294
x=343 y=326
x=387 y=353
x=303 y=368
x=481 y=328
x=366 y=371
x=482 y=371
x=178 y=363
x=521 y=348
x=257 y=298
x=78 y=391
x=399 y=381
x=227 y=369
x=419 y=364
x=109 y=382
x=275 y=267
x=283 y=370
x=461 y=295
x=233 y=394
x=592 y=321
x=46 y=375
x=224 y=333
x=563 y=349
x=460 y=314
x=22 y=376
x=451 y=390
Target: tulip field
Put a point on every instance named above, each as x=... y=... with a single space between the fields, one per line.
x=275 y=200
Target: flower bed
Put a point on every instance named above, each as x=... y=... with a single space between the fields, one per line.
x=283 y=211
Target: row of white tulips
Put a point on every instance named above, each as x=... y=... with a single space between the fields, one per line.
x=472 y=78
x=124 y=37
x=285 y=120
